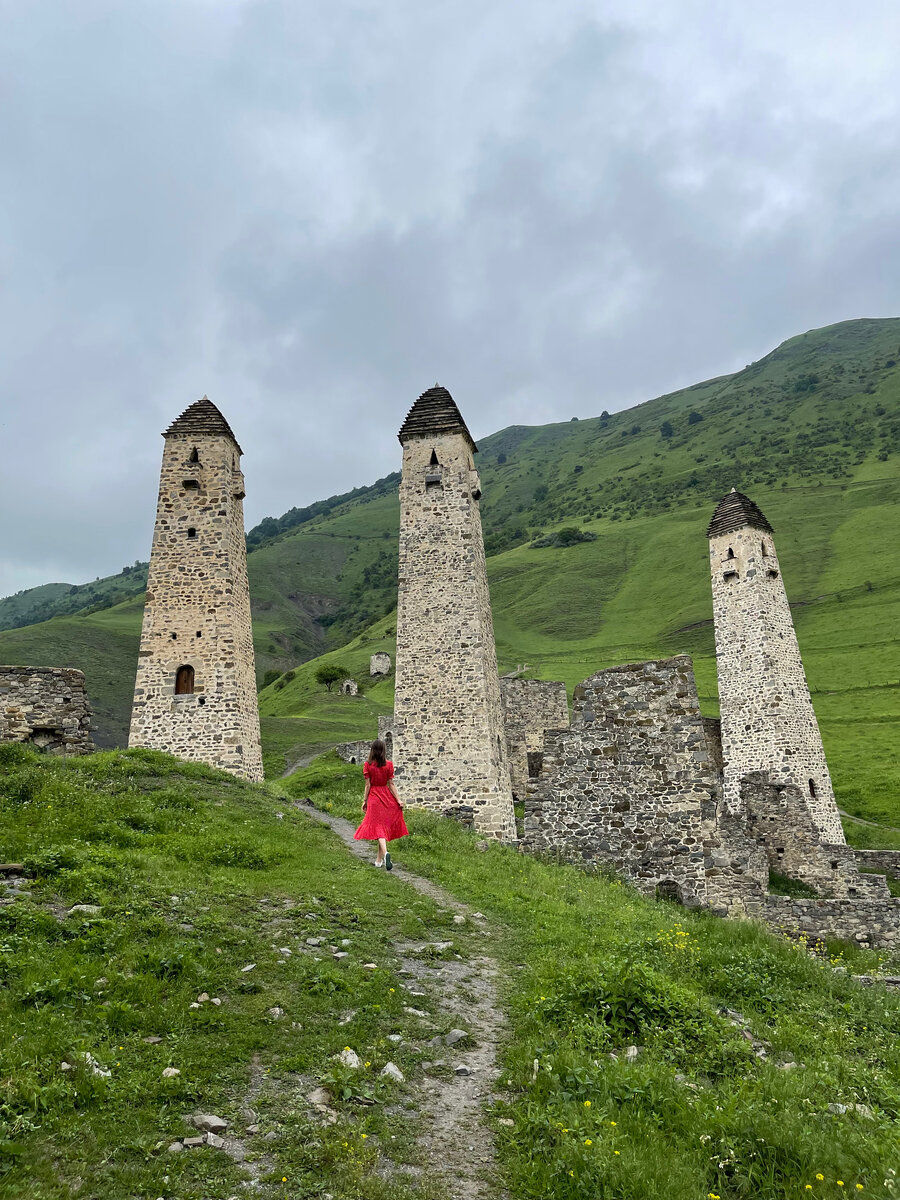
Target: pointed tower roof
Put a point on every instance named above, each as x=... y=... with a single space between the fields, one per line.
x=737 y=511
x=434 y=412
x=202 y=418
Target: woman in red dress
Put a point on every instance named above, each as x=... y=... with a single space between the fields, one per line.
x=383 y=807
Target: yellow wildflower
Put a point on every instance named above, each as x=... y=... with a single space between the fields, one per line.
x=587 y=1104
x=820 y=1177
x=588 y=1142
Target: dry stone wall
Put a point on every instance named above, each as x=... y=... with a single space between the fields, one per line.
x=768 y=722
x=529 y=706
x=195 y=692
x=47 y=708
x=380 y=664
x=630 y=781
x=886 y=861
x=869 y=923
x=449 y=747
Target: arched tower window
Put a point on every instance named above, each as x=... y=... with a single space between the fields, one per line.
x=434 y=459
x=184 y=681
x=730 y=553
x=765 y=552
x=195 y=457
x=812 y=788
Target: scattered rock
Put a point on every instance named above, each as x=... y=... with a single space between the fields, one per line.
x=253 y=1129
x=174 y=1147
x=454 y=1036
x=631 y=1053
x=217 y=1143
x=86 y=910
x=12 y=869
x=462 y=1069
x=861 y=1110
x=194 y=1005
x=94 y=1066
x=370 y=966
x=414 y=1012
x=396 y=1038
x=392 y=1071
x=170 y=1072
x=192 y=1142
x=507 y=1121
x=276 y=1013
x=350 y=1058
x=215 y=1000
x=459 y=919
x=249 y=967
x=314 y=941
x=271 y=1136
x=340 y=956
x=208 y=1122
x=152 y=1041
x=66 y=1066
x=347 y=1017
x=345 y=941
x=321 y=1097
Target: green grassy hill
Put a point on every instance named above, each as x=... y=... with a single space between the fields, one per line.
x=811 y=432
x=231 y=949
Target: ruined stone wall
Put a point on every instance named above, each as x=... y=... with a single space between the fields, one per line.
x=47 y=708
x=886 y=861
x=197 y=614
x=354 y=752
x=380 y=664
x=630 y=781
x=529 y=706
x=712 y=727
x=869 y=923
x=449 y=747
x=777 y=816
x=768 y=722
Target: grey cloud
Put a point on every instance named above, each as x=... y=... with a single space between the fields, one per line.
x=314 y=212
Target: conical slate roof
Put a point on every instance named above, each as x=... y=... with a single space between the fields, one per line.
x=202 y=418
x=434 y=412
x=736 y=511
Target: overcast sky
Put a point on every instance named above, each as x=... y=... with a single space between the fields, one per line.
x=312 y=212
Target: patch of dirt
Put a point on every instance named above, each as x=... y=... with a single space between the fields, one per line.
x=458 y=1142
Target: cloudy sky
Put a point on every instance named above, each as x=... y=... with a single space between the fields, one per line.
x=312 y=211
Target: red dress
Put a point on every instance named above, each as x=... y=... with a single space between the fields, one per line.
x=384 y=816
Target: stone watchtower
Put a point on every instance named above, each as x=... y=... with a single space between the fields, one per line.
x=195 y=692
x=448 y=732
x=768 y=722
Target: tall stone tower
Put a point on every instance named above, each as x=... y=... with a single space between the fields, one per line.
x=195 y=692
x=768 y=722
x=449 y=742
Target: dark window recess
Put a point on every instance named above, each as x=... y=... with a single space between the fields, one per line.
x=192 y=532
x=199 y=633
x=535 y=763
x=730 y=553
x=668 y=889
x=184 y=681
x=173 y=636
x=812 y=788
x=765 y=552
x=779 y=849
x=432 y=481
x=834 y=866
x=201 y=700
x=352 y=762
x=851 y=892
x=195 y=457
x=433 y=462
x=730 y=576
x=772 y=573
x=190 y=485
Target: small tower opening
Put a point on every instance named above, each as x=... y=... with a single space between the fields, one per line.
x=765 y=552
x=192 y=532
x=184 y=681
x=812 y=789
x=730 y=553
x=191 y=485
x=433 y=461
x=194 y=456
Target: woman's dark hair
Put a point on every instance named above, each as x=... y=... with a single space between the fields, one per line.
x=377 y=754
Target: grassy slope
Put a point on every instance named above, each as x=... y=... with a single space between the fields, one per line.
x=197 y=878
x=824 y=464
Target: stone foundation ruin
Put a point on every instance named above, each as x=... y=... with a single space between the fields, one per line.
x=47 y=708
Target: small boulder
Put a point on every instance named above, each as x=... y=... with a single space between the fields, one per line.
x=175 y=1147
x=152 y=1041
x=84 y=910
x=208 y=1122
x=350 y=1058
x=463 y=1070
x=217 y=1143
x=170 y=1072
x=321 y=1097
x=192 y=1142
x=454 y=1036
x=391 y=1071
x=276 y=1013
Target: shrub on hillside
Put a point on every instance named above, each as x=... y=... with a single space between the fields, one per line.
x=570 y=535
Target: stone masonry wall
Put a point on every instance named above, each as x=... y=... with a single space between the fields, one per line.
x=629 y=782
x=353 y=752
x=198 y=614
x=529 y=707
x=45 y=707
x=768 y=722
x=886 y=861
x=778 y=818
x=874 y=923
x=449 y=747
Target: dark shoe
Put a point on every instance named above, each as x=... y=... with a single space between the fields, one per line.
x=388 y=865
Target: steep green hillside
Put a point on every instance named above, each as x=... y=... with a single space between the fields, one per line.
x=64 y=599
x=811 y=431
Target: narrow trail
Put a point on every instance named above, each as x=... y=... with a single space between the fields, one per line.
x=459 y=1144
x=871 y=824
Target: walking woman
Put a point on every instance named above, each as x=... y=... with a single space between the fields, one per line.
x=383 y=807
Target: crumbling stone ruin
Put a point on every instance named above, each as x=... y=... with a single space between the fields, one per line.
x=448 y=733
x=195 y=692
x=349 y=687
x=768 y=722
x=709 y=814
x=529 y=706
x=47 y=708
x=380 y=664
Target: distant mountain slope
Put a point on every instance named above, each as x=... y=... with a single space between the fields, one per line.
x=811 y=431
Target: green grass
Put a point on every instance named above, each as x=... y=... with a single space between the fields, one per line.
x=592 y=968
x=196 y=878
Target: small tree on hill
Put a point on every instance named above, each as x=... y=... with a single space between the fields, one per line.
x=329 y=675
x=694 y=418
x=666 y=429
